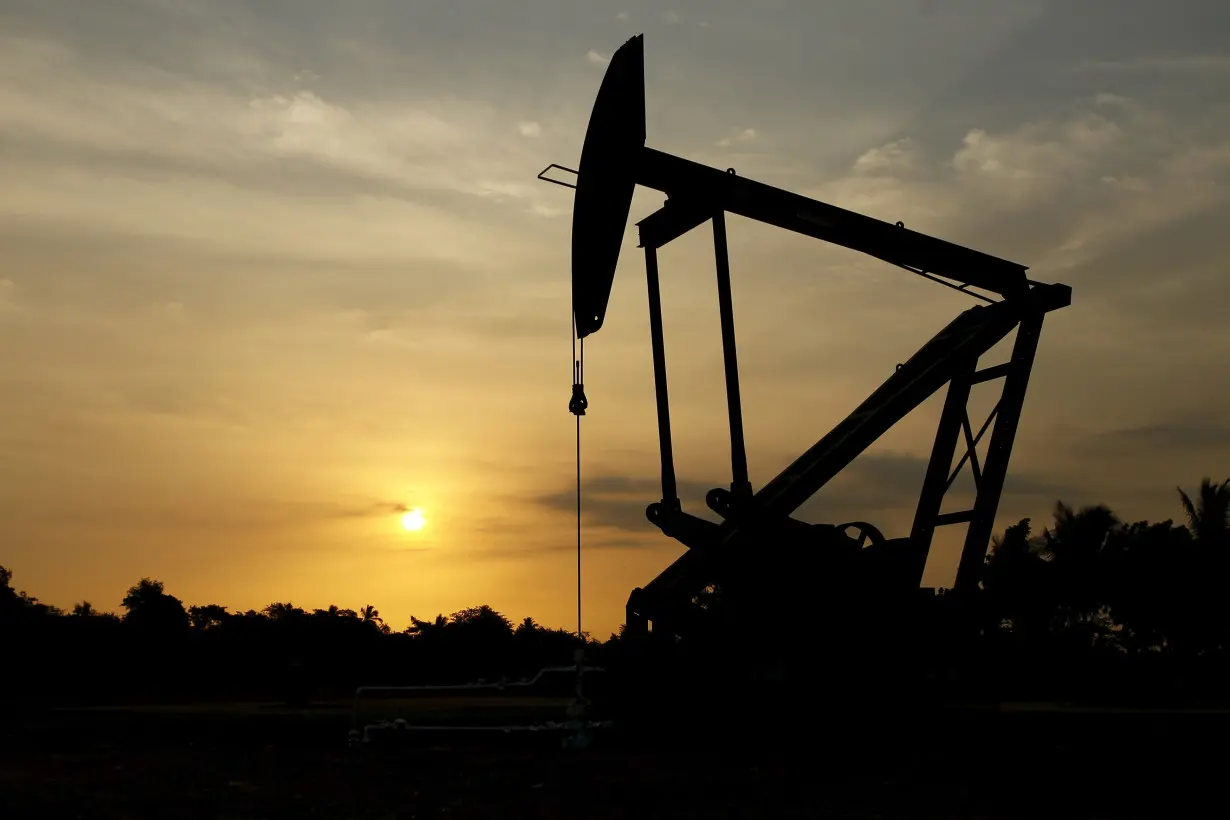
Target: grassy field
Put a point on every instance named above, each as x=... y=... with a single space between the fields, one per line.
x=249 y=760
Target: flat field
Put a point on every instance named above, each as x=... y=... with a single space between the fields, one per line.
x=267 y=761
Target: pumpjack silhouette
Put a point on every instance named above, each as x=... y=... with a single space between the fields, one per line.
x=759 y=546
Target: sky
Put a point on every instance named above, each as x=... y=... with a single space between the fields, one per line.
x=273 y=272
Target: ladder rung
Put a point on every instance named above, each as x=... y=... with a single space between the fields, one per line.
x=961 y=517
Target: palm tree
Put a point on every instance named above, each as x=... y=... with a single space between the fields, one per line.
x=426 y=629
x=1209 y=512
x=371 y=615
x=1079 y=535
x=1205 y=620
x=1076 y=546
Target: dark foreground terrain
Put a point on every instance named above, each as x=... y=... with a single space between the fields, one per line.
x=236 y=761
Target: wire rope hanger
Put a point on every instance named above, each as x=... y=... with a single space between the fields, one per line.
x=577 y=405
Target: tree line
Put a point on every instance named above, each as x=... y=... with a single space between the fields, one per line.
x=157 y=647
x=1136 y=607
x=1091 y=604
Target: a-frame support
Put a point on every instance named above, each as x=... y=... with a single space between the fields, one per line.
x=988 y=478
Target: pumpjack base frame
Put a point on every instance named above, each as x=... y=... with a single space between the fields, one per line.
x=752 y=520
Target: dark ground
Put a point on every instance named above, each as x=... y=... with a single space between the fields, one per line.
x=259 y=762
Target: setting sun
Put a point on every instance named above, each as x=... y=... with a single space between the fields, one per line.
x=414 y=520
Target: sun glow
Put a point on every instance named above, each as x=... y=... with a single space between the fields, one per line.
x=414 y=520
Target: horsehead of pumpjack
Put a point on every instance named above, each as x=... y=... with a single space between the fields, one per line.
x=614 y=161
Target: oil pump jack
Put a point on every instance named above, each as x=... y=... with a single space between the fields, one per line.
x=759 y=541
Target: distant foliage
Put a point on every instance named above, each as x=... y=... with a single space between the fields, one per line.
x=156 y=647
x=1092 y=580
x=1090 y=606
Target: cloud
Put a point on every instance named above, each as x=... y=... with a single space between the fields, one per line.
x=874 y=483
x=595 y=58
x=217 y=512
x=1058 y=192
x=550 y=211
x=1038 y=153
x=743 y=135
x=888 y=484
x=1189 y=437
x=617 y=502
x=670 y=16
x=123 y=120
x=622 y=17
x=1134 y=467
x=894 y=157
x=374 y=509
x=1173 y=64
x=529 y=129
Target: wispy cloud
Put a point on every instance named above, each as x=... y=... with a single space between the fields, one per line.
x=110 y=121
x=1175 y=63
x=897 y=156
x=1072 y=186
x=616 y=502
x=1186 y=436
x=220 y=514
x=886 y=483
x=742 y=135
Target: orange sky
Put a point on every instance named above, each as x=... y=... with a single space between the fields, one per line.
x=269 y=275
